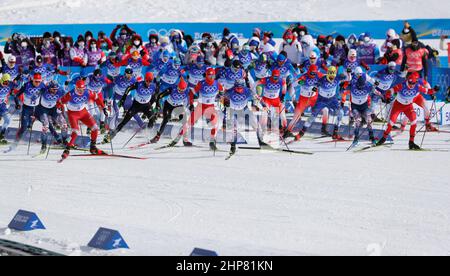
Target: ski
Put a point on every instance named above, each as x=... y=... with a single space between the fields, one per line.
x=139 y=146
x=424 y=150
x=321 y=137
x=110 y=155
x=373 y=146
x=267 y=147
x=336 y=141
x=229 y=156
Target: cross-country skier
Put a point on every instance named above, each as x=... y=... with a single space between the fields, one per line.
x=246 y=57
x=228 y=76
x=273 y=91
x=76 y=102
x=196 y=72
x=406 y=93
x=328 y=87
x=420 y=101
x=169 y=76
x=308 y=96
x=10 y=67
x=259 y=70
x=96 y=83
x=361 y=89
x=208 y=91
x=49 y=114
x=143 y=99
x=239 y=97
x=179 y=99
x=136 y=63
x=31 y=92
x=288 y=73
x=121 y=84
x=6 y=89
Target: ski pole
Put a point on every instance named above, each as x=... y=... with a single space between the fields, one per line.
x=29 y=140
x=426 y=130
x=364 y=131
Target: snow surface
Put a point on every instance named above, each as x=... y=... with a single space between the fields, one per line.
x=144 y=11
x=385 y=202
x=258 y=203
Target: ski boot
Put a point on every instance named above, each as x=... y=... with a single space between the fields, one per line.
x=431 y=128
x=155 y=139
x=102 y=128
x=109 y=137
x=375 y=119
x=43 y=148
x=288 y=134
x=381 y=142
x=94 y=150
x=324 y=131
x=66 y=153
x=233 y=149
x=372 y=139
x=2 y=138
x=413 y=146
x=175 y=141
x=187 y=143
x=213 y=146
x=336 y=136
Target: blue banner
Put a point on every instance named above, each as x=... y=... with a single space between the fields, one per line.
x=425 y=28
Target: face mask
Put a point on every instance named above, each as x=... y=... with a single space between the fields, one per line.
x=406 y=31
x=47 y=44
x=68 y=45
x=289 y=41
x=88 y=38
x=94 y=47
x=57 y=39
x=137 y=43
x=24 y=45
x=123 y=36
x=81 y=45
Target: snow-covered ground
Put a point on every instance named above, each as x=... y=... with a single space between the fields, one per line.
x=334 y=202
x=143 y=11
x=386 y=201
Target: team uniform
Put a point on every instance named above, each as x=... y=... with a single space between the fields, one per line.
x=273 y=90
x=5 y=92
x=208 y=91
x=178 y=99
x=361 y=90
x=49 y=114
x=308 y=95
x=406 y=93
x=143 y=99
x=31 y=98
x=328 y=87
x=97 y=83
x=76 y=102
x=239 y=97
x=121 y=84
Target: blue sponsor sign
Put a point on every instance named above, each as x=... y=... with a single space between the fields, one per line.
x=425 y=28
x=107 y=239
x=26 y=221
x=198 y=252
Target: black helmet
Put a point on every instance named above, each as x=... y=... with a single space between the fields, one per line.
x=128 y=71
